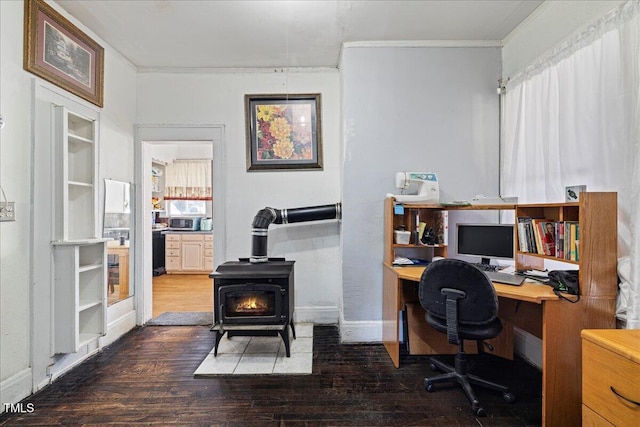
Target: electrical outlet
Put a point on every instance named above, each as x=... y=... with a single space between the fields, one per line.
x=7 y=211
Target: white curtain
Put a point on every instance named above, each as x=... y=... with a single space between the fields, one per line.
x=188 y=180
x=573 y=118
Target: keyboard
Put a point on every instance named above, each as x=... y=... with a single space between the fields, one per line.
x=505 y=278
x=486 y=267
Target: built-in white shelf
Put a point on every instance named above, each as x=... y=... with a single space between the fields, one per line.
x=80 y=256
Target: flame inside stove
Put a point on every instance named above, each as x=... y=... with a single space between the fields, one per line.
x=251 y=303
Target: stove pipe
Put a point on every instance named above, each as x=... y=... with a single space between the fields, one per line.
x=267 y=216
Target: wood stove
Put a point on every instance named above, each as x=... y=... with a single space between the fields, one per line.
x=253 y=299
x=255 y=296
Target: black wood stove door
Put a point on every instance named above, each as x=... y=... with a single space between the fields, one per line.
x=253 y=303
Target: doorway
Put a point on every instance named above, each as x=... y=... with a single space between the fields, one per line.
x=182 y=211
x=176 y=294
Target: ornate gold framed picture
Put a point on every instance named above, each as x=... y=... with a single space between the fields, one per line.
x=60 y=53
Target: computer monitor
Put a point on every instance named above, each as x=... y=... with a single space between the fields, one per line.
x=486 y=241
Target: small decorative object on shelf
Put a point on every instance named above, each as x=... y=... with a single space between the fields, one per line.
x=429 y=237
x=572 y=193
x=157 y=203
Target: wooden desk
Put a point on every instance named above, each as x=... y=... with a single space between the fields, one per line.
x=531 y=307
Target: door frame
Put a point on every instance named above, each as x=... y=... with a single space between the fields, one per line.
x=145 y=136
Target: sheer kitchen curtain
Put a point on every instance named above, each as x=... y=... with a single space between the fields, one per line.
x=188 y=180
x=573 y=118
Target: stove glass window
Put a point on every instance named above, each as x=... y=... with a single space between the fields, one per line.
x=250 y=303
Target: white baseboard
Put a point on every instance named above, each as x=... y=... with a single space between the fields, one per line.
x=15 y=388
x=369 y=331
x=326 y=315
x=118 y=328
x=66 y=362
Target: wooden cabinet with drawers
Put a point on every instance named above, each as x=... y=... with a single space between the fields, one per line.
x=188 y=252
x=610 y=377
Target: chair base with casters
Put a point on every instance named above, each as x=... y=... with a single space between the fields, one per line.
x=460 y=301
x=459 y=374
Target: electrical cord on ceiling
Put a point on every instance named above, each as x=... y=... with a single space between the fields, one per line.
x=286 y=53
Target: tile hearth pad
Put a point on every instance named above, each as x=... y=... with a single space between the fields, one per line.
x=260 y=355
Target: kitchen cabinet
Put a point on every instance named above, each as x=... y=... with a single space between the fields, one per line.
x=191 y=252
x=188 y=252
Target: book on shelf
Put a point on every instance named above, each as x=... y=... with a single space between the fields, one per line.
x=573 y=240
x=546 y=230
x=560 y=239
x=577 y=241
x=536 y=236
x=529 y=238
x=523 y=244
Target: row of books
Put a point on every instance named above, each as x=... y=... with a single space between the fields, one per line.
x=558 y=239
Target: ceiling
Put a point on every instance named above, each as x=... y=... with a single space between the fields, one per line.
x=173 y=34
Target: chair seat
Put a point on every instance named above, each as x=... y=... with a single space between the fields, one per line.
x=473 y=332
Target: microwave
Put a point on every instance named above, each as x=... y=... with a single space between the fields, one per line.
x=184 y=223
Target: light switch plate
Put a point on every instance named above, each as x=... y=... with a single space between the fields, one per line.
x=7 y=211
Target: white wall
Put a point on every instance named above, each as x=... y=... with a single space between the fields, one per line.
x=15 y=177
x=547 y=26
x=409 y=109
x=218 y=98
x=25 y=305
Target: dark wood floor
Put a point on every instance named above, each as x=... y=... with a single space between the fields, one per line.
x=146 y=378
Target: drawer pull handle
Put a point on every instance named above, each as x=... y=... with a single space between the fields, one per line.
x=617 y=393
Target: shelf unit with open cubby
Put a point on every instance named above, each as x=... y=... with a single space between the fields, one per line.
x=409 y=219
x=80 y=255
x=596 y=215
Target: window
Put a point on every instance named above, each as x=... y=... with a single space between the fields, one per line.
x=186 y=207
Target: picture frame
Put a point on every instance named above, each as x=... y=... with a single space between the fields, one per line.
x=59 y=52
x=284 y=132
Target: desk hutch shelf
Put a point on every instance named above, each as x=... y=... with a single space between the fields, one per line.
x=530 y=307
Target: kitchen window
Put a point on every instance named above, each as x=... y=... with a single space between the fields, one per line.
x=188 y=187
x=186 y=207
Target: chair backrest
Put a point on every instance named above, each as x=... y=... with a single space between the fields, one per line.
x=478 y=307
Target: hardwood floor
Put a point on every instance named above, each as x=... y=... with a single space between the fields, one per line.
x=146 y=378
x=182 y=292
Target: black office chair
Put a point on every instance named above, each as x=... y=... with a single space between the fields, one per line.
x=461 y=302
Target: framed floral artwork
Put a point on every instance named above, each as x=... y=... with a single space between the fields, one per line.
x=60 y=53
x=283 y=132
